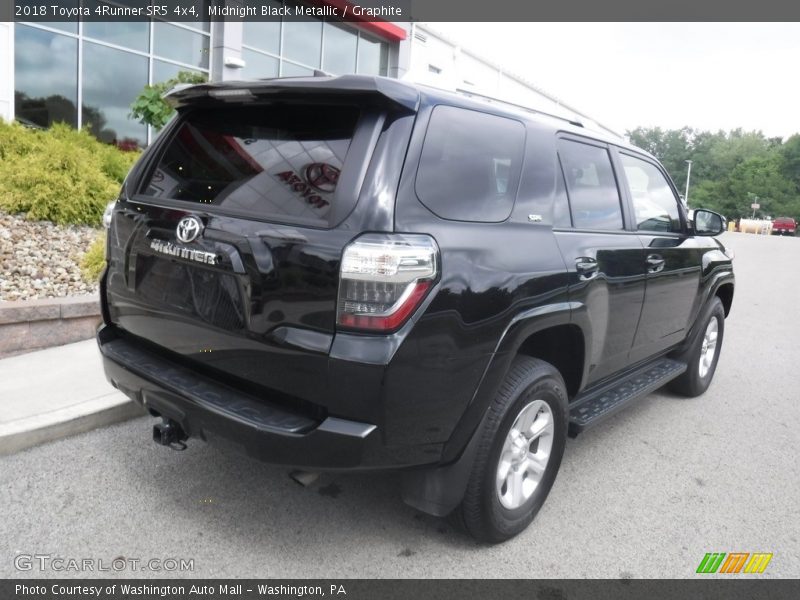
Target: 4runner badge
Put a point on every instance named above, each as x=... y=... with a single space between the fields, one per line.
x=170 y=249
x=188 y=229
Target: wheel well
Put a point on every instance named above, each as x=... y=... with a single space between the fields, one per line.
x=725 y=293
x=562 y=347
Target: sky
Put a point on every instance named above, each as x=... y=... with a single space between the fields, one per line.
x=703 y=75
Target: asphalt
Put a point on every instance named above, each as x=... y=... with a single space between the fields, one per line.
x=645 y=494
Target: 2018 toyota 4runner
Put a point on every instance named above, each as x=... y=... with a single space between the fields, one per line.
x=357 y=273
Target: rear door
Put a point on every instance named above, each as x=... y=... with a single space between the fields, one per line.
x=603 y=257
x=672 y=256
x=226 y=250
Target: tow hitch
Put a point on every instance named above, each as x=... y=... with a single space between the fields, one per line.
x=169 y=433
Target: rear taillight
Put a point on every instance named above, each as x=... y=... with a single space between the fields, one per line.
x=383 y=280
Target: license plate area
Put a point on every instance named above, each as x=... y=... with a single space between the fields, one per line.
x=208 y=295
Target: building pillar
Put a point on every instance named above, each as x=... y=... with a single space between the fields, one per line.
x=226 y=52
x=7 y=71
x=400 y=53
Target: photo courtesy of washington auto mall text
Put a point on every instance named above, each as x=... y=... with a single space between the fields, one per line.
x=391 y=299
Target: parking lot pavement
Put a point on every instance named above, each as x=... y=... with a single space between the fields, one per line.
x=645 y=494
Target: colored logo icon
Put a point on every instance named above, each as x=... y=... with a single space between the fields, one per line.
x=734 y=562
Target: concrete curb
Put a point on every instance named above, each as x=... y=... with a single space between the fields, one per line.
x=54 y=393
x=71 y=420
x=29 y=325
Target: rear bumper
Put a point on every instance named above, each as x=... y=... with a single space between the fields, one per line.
x=214 y=412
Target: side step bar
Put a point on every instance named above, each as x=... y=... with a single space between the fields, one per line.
x=604 y=401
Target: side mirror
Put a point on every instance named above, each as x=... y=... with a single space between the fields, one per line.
x=707 y=222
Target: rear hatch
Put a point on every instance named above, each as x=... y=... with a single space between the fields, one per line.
x=225 y=246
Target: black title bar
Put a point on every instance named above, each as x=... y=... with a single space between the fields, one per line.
x=388 y=589
x=401 y=10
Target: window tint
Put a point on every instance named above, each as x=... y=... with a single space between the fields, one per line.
x=281 y=161
x=654 y=203
x=593 y=195
x=470 y=165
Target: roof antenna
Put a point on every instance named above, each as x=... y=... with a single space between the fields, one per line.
x=319 y=73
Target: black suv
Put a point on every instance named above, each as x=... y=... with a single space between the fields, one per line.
x=356 y=273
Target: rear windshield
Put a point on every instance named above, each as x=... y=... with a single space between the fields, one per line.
x=276 y=161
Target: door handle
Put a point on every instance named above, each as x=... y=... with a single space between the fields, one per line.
x=655 y=263
x=587 y=267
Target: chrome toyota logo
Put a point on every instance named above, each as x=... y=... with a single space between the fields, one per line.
x=188 y=229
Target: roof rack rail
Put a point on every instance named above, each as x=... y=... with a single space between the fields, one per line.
x=490 y=99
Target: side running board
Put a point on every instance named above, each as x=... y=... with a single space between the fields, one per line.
x=603 y=402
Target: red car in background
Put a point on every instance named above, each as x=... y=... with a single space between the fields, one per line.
x=784 y=225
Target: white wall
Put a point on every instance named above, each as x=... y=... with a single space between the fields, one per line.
x=461 y=69
x=6 y=71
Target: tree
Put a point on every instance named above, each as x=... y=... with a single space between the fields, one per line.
x=672 y=147
x=790 y=160
x=730 y=169
x=150 y=108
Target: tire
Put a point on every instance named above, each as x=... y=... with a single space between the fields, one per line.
x=536 y=387
x=698 y=376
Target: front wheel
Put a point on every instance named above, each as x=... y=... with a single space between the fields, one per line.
x=519 y=454
x=703 y=353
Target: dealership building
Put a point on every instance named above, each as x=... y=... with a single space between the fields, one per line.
x=87 y=74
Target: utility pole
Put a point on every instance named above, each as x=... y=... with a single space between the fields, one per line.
x=688 y=176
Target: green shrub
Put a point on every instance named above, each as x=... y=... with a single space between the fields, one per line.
x=151 y=109
x=60 y=174
x=94 y=260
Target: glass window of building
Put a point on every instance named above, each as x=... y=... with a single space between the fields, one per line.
x=106 y=107
x=259 y=66
x=69 y=26
x=134 y=35
x=165 y=70
x=302 y=41
x=373 y=56
x=339 y=55
x=292 y=70
x=176 y=43
x=46 y=77
x=263 y=35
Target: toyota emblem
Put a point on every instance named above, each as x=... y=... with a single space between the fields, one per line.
x=322 y=176
x=188 y=229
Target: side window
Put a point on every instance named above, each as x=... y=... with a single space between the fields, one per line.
x=470 y=165
x=591 y=186
x=561 y=216
x=655 y=205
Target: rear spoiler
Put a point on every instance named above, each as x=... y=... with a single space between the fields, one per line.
x=386 y=90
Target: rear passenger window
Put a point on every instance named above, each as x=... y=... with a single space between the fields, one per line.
x=470 y=165
x=655 y=205
x=591 y=186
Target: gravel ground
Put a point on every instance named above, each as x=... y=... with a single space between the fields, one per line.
x=42 y=260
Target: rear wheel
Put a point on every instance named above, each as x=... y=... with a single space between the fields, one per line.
x=703 y=354
x=519 y=454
